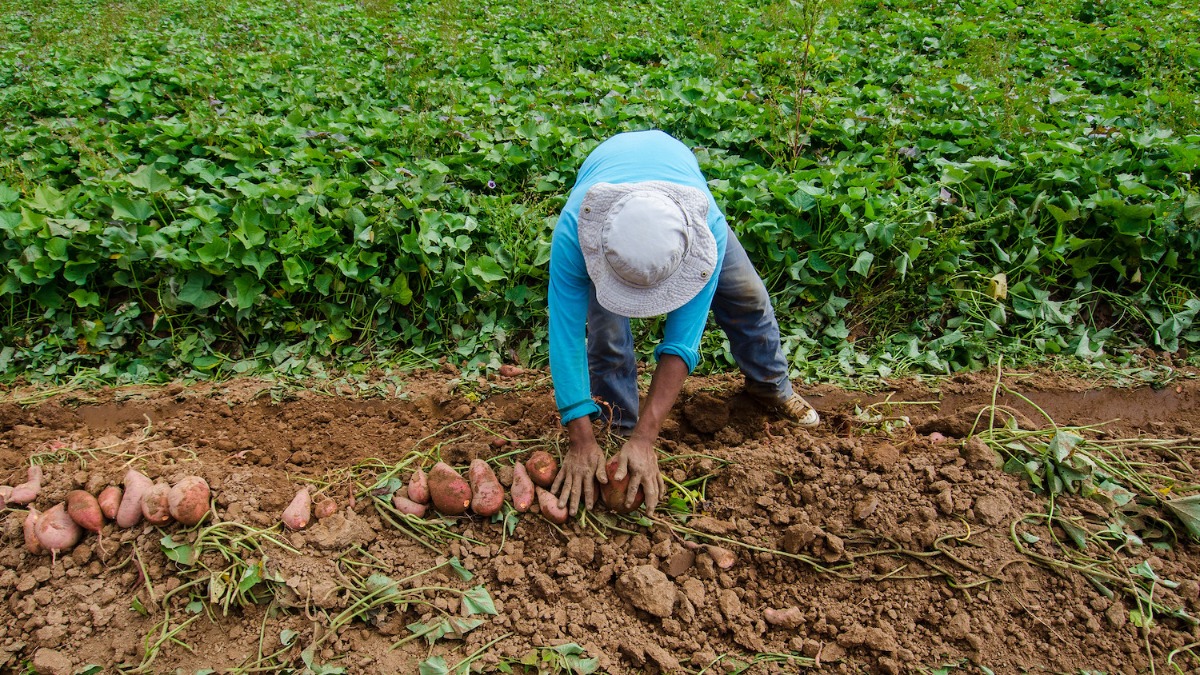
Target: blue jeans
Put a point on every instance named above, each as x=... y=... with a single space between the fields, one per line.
x=742 y=309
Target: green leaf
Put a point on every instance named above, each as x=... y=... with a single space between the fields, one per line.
x=1187 y=510
x=48 y=200
x=478 y=601
x=8 y=195
x=194 y=607
x=287 y=636
x=247 y=218
x=195 y=291
x=434 y=665
x=463 y=573
x=125 y=208
x=149 y=179
x=85 y=298
x=863 y=264
x=248 y=290
x=137 y=606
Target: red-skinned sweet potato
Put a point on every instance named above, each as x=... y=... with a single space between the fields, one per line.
x=325 y=508
x=615 y=492
x=156 y=504
x=403 y=504
x=187 y=501
x=487 y=495
x=110 y=501
x=28 y=491
x=450 y=493
x=299 y=512
x=85 y=510
x=56 y=531
x=418 y=487
x=31 y=541
x=129 y=513
x=542 y=468
x=548 y=504
x=522 y=489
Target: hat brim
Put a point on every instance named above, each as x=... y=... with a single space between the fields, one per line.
x=695 y=270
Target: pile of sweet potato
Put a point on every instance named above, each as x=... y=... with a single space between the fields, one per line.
x=63 y=525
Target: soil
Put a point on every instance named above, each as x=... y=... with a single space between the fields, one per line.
x=877 y=547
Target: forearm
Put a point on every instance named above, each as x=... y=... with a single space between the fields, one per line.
x=664 y=390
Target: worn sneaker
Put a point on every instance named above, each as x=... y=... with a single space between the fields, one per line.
x=799 y=411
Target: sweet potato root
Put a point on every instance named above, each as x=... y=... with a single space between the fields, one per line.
x=325 y=508
x=403 y=504
x=542 y=468
x=522 y=489
x=28 y=491
x=136 y=487
x=615 y=492
x=299 y=512
x=56 y=531
x=487 y=495
x=418 y=487
x=110 y=501
x=83 y=508
x=156 y=505
x=31 y=541
x=188 y=500
x=548 y=504
x=450 y=493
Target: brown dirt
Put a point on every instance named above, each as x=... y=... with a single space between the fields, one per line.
x=954 y=590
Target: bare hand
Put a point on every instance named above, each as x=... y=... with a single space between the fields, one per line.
x=581 y=467
x=640 y=462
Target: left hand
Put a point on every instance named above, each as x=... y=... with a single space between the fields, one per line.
x=638 y=460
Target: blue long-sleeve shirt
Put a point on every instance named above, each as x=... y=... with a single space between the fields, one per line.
x=625 y=158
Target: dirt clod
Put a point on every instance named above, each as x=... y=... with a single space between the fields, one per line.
x=648 y=589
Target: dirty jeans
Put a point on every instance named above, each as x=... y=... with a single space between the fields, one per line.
x=742 y=309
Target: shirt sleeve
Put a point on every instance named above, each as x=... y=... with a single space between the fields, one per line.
x=568 y=301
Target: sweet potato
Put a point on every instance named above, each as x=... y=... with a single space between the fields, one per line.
x=407 y=506
x=299 y=512
x=418 y=487
x=790 y=617
x=509 y=370
x=522 y=489
x=110 y=501
x=614 y=492
x=136 y=487
x=325 y=508
x=31 y=541
x=723 y=557
x=542 y=468
x=28 y=491
x=56 y=531
x=487 y=495
x=450 y=493
x=85 y=510
x=156 y=505
x=187 y=501
x=551 y=511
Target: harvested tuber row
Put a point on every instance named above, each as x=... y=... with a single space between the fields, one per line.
x=56 y=531
x=156 y=507
x=110 y=501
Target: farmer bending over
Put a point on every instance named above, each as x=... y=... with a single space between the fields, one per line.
x=641 y=236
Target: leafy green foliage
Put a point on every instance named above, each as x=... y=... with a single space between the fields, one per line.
x=207 y=188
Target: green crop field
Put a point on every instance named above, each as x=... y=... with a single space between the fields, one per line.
x=198 y=187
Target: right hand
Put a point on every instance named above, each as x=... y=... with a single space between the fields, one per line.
x=581 y=467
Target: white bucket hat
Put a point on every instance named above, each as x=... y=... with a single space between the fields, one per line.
x=647 y=246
